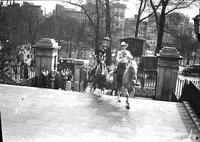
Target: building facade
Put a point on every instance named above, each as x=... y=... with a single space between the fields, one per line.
x=31 y=7
x=70 y=13
x=117 y=12
x=26 y=54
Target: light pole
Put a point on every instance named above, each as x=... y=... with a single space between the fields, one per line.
x=194 y=56
x=107 y=48
x=197 y=28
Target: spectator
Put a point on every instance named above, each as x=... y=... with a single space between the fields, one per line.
x=44 y=77
x=26 y=76
x=69 y=74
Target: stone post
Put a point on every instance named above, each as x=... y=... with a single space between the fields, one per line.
x=168 y=65
x=78 y=65
x=64 y=82
x=51 y=83
x=46 y=55
x=68 y=85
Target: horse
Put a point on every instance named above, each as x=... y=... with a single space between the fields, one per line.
x=98 y=77
x=128 y=81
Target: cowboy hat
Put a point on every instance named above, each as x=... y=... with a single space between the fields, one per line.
x=123 y=43
x=100 y=50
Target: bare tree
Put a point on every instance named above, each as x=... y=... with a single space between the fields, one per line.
x=32 y=21
x=92 y=23
x=165 y=7
x=140 y=11
x=8 y=39
x=143 y=8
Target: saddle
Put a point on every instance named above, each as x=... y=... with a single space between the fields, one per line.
x=121 y=68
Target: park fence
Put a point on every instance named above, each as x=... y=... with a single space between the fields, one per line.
x=181 y=80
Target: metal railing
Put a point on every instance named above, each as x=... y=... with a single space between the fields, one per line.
x=147 y=82
x=147 y=78
x=20 y=73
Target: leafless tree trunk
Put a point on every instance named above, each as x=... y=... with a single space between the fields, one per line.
x=166 y=7
x=141 y=10
x=97 y=27
x=94 y=25
x=161 y=25
x=108 y=32
x=108 y=21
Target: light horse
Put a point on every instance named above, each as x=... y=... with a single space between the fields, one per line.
x=128 y=81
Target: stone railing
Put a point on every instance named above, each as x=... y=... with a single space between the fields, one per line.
x=191 y=98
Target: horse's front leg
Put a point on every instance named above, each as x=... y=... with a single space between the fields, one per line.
x=93 y=86
x=127 y=97
x=118 y=94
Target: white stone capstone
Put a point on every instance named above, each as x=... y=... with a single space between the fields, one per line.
x=170 y=52
x=47 y=43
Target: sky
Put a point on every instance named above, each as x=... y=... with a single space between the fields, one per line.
x=49 y=6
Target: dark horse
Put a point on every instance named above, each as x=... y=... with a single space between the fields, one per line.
x=98 y=77
x=128 y=81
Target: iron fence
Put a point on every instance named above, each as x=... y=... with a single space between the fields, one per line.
x=147 y=78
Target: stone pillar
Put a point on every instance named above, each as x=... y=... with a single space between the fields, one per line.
x=46 y=55
x=64 y=82
x=68 y=86
x=168 y=65
x=78 y=65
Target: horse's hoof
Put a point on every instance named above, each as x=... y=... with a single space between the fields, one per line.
x=119 y=101
x=127 y=107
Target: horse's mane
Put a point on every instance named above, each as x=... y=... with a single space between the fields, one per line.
x=134 y=65
x=130 y=74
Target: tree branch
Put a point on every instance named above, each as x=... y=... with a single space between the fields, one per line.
x=102 y=4
x=165 y=30
x=180 y=5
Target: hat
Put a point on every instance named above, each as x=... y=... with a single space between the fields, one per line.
x=123 y=43
x=100 y=50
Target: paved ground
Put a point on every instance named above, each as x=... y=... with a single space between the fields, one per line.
x=43 y=115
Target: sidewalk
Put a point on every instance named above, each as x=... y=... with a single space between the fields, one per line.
x=46 y=115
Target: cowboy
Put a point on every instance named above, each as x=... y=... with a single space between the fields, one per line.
x=123 y=58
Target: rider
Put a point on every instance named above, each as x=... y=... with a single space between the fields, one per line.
x=100 y=57
x=123 y=57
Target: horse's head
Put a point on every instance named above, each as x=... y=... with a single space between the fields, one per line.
x=101 y=70
x=130 y=73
